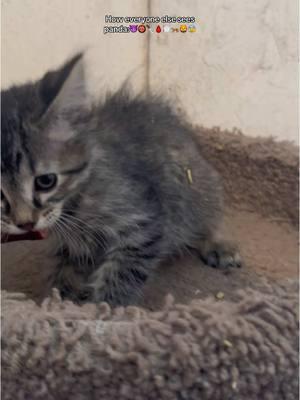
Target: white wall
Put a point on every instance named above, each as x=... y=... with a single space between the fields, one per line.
x=41 y=34
x=238 y=70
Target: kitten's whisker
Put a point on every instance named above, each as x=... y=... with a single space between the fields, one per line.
x=96 y=217
x=88 y=253
x=72 y=239
x=84 y=255
x=64 y=234
x=83 y=227
x=118 y=216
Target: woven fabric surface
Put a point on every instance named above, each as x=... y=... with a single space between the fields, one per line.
x=209 y=349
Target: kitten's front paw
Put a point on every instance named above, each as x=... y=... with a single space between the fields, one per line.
x=222 y=255
x=107 y=289
x=72 y=285
x=111 y=296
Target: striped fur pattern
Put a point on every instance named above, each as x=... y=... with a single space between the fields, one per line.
x=131 y=188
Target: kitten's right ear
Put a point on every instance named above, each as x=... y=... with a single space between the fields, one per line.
x=64 y=88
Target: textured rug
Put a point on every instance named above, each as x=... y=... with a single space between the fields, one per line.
x=209 y=349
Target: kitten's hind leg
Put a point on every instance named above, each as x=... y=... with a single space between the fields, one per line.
x=220 y=253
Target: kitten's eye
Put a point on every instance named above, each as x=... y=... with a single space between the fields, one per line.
x=45 y=182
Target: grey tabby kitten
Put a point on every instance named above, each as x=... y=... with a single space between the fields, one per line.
x=122 y=184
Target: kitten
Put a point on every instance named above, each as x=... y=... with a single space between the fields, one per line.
x=121 y=184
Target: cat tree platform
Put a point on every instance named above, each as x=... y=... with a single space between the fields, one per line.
x=217 y=336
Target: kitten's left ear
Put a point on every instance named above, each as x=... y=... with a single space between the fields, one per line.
x=64 y=89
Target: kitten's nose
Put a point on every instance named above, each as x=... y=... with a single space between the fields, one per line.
x=28 y=226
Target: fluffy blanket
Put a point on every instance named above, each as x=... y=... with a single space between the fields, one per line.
x=209 y=349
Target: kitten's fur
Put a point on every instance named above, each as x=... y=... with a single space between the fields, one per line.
x=132 y=186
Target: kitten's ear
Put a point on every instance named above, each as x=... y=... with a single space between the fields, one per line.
x=64 y=89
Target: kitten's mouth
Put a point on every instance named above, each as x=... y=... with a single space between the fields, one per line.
x=34 y=235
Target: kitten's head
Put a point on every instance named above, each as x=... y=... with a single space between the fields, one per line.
x=44 y=159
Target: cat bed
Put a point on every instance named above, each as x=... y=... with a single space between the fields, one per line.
x=239 y=340
x=208 y=349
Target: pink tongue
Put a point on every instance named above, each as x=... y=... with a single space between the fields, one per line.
x=35 y=235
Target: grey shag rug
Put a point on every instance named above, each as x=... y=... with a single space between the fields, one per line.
x=209 y=349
